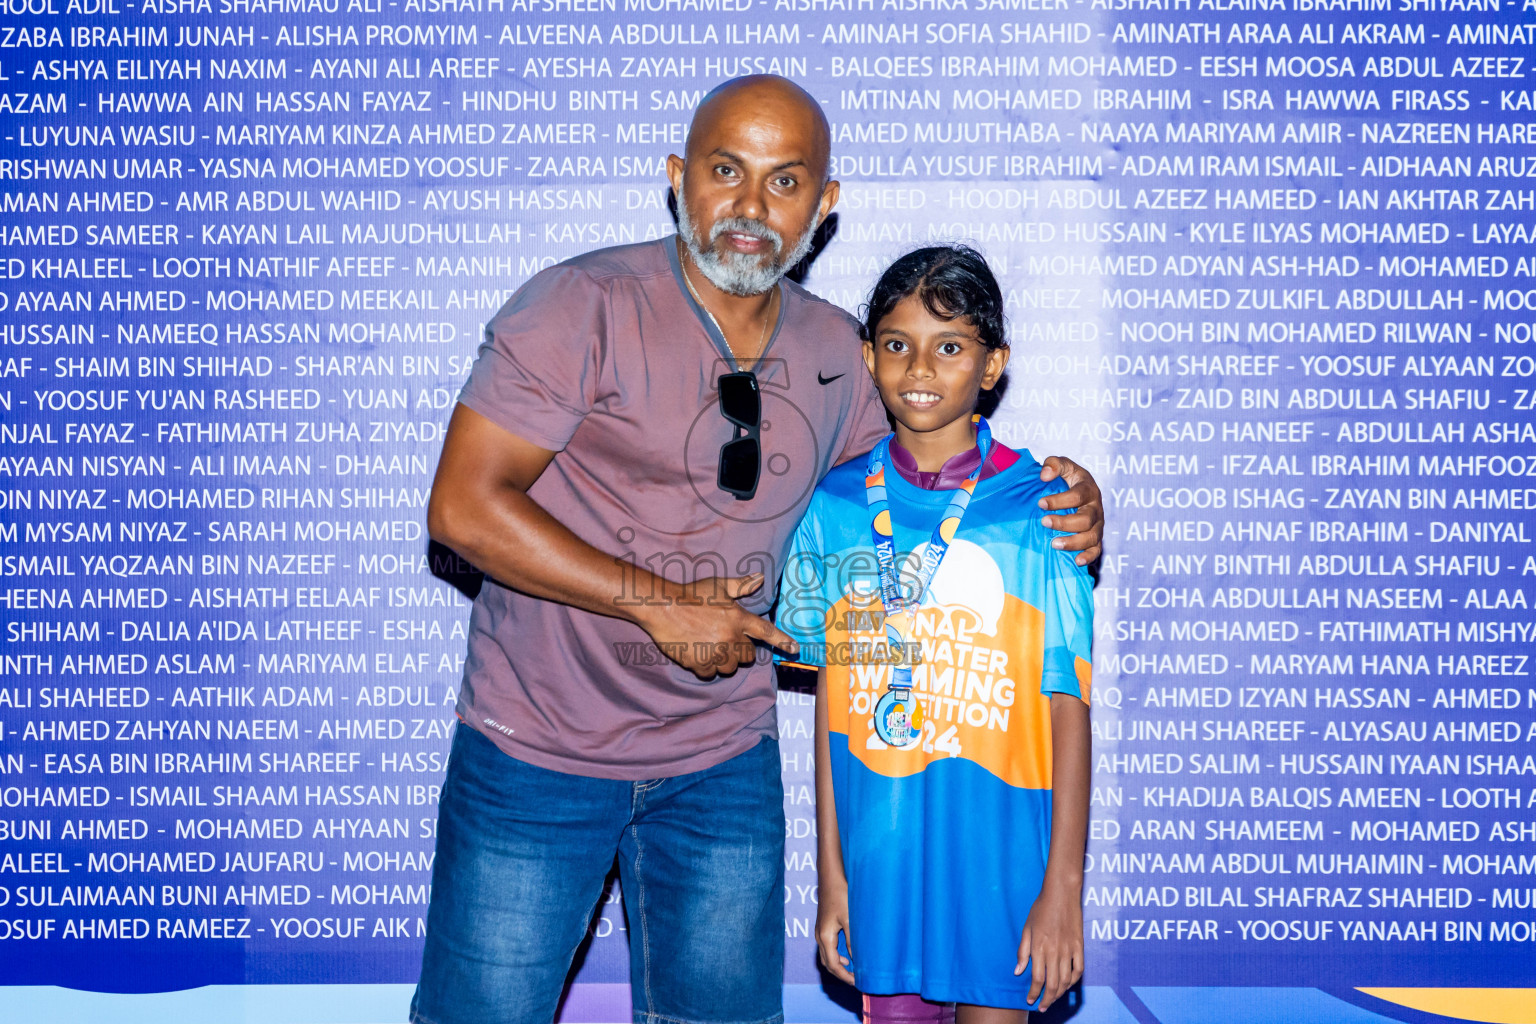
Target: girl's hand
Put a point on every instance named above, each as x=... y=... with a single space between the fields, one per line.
x=1053 y=937
x=832 y=919
x=1086 y=525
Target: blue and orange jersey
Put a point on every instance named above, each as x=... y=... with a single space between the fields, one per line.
x=945 y=840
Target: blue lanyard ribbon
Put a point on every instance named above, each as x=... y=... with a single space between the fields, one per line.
x=885 y=546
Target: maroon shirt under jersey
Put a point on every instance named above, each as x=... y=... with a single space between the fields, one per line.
x=955 y=469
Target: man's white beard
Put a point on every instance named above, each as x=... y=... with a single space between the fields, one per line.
x=738 y=273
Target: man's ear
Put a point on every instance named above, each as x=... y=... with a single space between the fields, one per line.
x=997 y=362
x=830 y=193
x=675 y=167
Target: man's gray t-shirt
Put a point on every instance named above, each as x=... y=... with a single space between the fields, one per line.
x=609 y=362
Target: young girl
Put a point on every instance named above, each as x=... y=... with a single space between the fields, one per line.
x=953 y=643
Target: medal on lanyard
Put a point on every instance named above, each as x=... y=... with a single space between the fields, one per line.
x=898 y=715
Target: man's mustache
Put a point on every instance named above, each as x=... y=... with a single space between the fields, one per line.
x=743 y=226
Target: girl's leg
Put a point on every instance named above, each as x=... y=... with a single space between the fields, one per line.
x=906 y=1009
x=965 y=1013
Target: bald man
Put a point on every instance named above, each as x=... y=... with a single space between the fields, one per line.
x=636 y=442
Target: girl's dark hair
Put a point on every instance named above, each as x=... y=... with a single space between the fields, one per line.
x=953 y=281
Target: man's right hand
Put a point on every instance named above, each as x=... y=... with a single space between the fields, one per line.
x=700 y=626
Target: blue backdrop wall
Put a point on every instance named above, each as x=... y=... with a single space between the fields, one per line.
x=1269 y=273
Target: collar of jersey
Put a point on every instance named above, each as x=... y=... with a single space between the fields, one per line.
x=915 y=495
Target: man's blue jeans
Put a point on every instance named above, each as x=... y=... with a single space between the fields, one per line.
x=522 y=853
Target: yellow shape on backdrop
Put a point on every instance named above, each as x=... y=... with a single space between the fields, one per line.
x=1489 y=1005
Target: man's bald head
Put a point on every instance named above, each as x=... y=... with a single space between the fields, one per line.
x=772 y=102
x=755 y=183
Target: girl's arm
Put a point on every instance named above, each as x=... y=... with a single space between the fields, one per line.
x=831 y=880
x=1053 y=935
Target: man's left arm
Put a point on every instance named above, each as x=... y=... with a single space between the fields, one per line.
x=1085 y=527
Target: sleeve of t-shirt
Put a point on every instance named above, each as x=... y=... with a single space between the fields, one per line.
x=1068 y=611
x=803 y=604
x=867 y=426
x=536 y=373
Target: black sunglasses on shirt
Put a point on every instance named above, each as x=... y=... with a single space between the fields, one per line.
x=740 y=457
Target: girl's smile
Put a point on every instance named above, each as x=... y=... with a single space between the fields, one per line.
x=921 y=399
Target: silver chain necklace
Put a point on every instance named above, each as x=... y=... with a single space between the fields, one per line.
x=683 y=265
